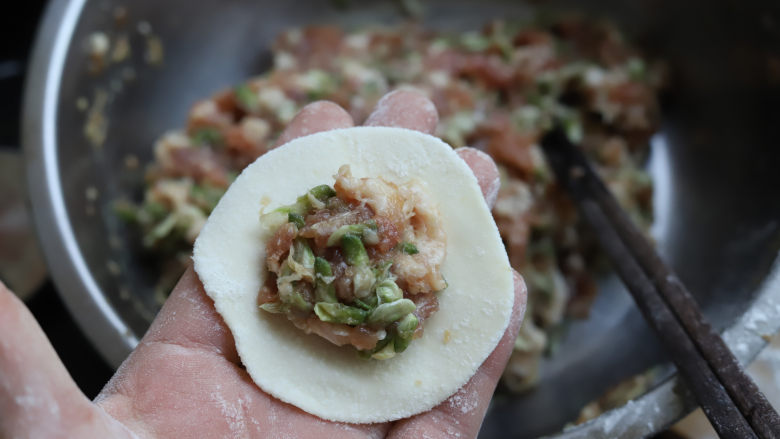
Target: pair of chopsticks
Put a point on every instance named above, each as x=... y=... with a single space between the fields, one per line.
x=729 y=398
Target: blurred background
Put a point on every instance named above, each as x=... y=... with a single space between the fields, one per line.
x=21 y=264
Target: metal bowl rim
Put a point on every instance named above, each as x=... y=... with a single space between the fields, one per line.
x=92 y=311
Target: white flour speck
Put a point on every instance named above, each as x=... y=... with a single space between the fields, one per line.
x=463 y=401
x=232 y=412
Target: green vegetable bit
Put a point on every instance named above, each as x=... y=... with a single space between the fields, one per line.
x=385 y=353
x=206 y=196
x=126 y=211
x=354 y=252
x=153 y=211
x=409 y=248
x=637 y=70
x=322 y=267
x=380 y=345
x=161 y=230
x=274 y=307
x=303 y=204
x=303 y=254
x=405 y=332
x=382 y=271
x=573 y=129
x=207 y=136
x=335 y=237
x=367 y=232
x=474 y=41
x=247 y=98
x=388 y=291
x=274 y=219
x=387 y=313
x=367 y=303
x=363 y=281
x=324 y=291
x=323 y=192
x=339 y=313
x=295 y=300
x=300 y=207
x=296 y=219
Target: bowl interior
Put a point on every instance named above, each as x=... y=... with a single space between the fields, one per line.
x=714 y=162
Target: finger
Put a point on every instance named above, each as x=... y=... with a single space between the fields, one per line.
x=405 y=109
x=313 y=118
x=461 y=414
x=408 y=109
x=38 y=398
x=187 y=341
x=189 y=319
x=484 y=168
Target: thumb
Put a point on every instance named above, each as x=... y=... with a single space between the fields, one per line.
x=38 y=398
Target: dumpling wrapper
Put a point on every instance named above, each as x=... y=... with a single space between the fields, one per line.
x=311 y=373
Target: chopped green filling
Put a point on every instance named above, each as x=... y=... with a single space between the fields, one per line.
x=387 y=313
x=322 y=192
x=405 y=332
x=409 y=248
x=206 y=196
x=296 y=218
x=637 y=70
x=207 y=136
x=474 y=41
x=306 y=282
x=247 y=99
x=354 y=251
x=388 y=291
x=324 y=289
x=126 y=211
x=340 y=313
x=366 y=231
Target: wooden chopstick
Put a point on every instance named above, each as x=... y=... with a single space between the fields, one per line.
x=729 y=398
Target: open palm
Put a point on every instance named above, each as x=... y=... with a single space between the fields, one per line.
x=185 y=379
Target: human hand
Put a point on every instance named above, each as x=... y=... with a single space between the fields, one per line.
x=185 y=378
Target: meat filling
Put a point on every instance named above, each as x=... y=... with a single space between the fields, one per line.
x=358 y=263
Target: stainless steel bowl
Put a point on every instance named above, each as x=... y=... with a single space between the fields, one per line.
x=716 y=163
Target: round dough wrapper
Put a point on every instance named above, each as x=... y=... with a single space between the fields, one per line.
x=309 y=372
